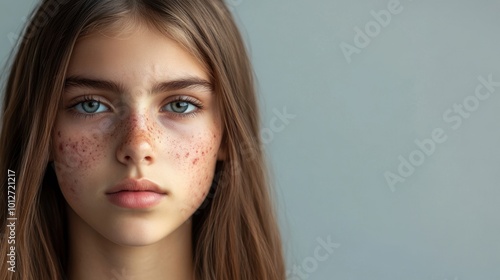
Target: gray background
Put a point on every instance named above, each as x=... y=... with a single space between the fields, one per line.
x=352 y=122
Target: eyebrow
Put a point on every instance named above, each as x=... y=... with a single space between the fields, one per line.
x=178 y=84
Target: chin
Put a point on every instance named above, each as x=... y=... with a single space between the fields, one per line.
x=138 y=233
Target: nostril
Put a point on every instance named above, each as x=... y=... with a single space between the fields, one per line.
x=136 y=148
x=146 y=158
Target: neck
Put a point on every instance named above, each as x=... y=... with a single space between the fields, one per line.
x=92 y=256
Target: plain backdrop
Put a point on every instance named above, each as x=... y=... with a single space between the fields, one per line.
x=351 y=97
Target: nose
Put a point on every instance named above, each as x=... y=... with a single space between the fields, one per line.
x=136 y=147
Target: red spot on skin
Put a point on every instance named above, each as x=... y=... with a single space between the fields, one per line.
x=79 y=154
x=129 y=124
x=59 y=134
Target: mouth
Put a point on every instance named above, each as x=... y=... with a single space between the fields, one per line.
x=136 y=194
x=132 y=185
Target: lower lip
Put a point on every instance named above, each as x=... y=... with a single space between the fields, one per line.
x=135 y=200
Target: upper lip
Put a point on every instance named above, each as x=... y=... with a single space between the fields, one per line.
x=133 y=185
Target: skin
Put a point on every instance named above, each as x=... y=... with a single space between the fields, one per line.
x=134 y=132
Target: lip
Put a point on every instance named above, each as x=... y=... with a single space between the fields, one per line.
x=135 y=194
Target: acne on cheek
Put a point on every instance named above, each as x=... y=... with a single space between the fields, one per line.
x=199 y=158
x=74 y=156
x=79 y=153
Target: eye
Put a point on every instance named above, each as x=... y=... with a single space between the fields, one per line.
x=180 y=107
x=90 y=107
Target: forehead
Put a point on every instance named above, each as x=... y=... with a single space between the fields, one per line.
x=134 y=53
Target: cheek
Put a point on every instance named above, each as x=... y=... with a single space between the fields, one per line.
x=74 y=157
x=197 y=160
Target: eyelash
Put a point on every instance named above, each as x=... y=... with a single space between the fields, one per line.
x=86 y=98
x=190 y=100
x=83 y=99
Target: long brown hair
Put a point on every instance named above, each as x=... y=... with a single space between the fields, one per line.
x=235 y=232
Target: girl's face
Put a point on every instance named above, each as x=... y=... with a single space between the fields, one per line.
x=137 y=136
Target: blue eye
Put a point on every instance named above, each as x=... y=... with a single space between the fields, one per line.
x=180 y=107
x=90 y=107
